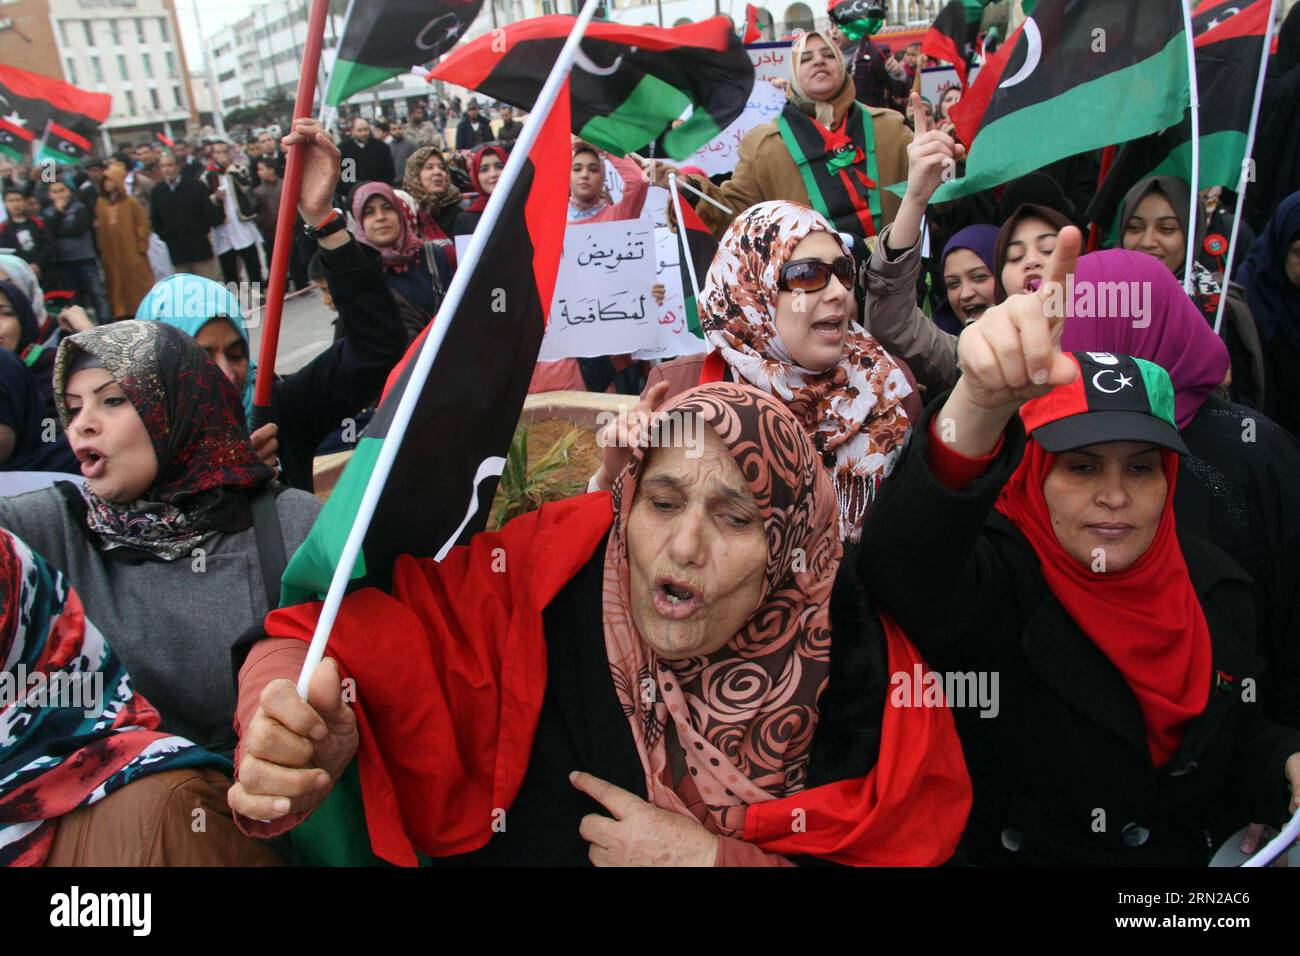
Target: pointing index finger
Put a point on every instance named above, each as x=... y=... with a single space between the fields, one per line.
x=920 y=122
x=613 y=798
x=1065 y=257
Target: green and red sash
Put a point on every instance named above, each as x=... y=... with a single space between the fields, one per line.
x=838 y=168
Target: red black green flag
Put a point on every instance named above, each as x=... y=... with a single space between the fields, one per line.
x=15 y=140
x=39 y=99
x=628 y=83
x=1228 y=40
x=695 y=243
x=1073 y=78
x=383 y=38
x=445 y=472
x=62 y=145
x=954 y=35
x=752 y=32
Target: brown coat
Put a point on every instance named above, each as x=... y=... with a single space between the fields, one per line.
x=766 y=170
x=122 y=235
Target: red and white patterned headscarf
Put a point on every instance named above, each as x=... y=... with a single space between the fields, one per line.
x=853 y=411
x=744 y=715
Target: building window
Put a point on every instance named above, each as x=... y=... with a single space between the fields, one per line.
x=176 y=94
x=130 y=103
x=71 y=71
x=148 y=64
x=548 y=7
x=121 y=67
x=162 y=30
x=96 y=70
x=90 y=36
x=63 y=31
x=171 y=63
x=139 y=29
x=153 y=98
x=113 y=32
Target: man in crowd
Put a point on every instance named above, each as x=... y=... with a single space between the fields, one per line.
x=370 y=160
x=71 y=230
x=474 y=129
x=181 y=214
x=190 y=165
x=231 y=187
x=27 y=236
x=270 y=149
x=420 y=131
x=510 y=127
x=877 y=76
x=400 y=145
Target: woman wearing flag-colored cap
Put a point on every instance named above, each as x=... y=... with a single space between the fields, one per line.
x=1122 y=734
x=668 y=675
x=826 y=151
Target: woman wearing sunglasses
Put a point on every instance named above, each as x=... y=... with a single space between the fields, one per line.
x=779 y=311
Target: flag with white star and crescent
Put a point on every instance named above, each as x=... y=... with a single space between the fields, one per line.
x=30 y=101
x=62 y=145
x=15 y=140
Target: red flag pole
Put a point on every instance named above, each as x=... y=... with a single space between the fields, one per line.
x=284 y=223
x=1094 y=230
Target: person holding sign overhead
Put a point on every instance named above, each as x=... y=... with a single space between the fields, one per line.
x=825 y=150
x=1054 y=561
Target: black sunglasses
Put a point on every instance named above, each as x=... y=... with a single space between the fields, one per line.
x=813 y=275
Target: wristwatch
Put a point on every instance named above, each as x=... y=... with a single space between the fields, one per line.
x=331 y=224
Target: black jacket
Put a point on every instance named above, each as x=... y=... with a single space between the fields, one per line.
x=371 y=163
x=1063 y=774
x=71 y=230
x=182 y=217
x=582 y=725
x=466 y=138
x=874 y=83
x=31 y=242
x=349 y=375
x=241 y=181
x=466 y=223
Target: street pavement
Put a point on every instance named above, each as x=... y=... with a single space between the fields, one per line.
x=306 y=330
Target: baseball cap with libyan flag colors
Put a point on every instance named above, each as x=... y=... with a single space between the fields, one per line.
x=1115 y=398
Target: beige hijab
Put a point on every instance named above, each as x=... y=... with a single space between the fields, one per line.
x=827 y=113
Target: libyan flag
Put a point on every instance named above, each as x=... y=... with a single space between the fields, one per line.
x=954 y=35
x=1074 y=77
x=628 y=83
x=15 y=140
x=1228 y=40
x=39 y=100
x=383 y=38
x=62 y=145
x=696 y=246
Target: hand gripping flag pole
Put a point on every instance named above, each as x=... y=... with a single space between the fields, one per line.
x=1246 y=163
x=433 y=342
x=284 y=223
x=1196 y=137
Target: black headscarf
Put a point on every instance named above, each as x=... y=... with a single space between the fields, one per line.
x=22 y=410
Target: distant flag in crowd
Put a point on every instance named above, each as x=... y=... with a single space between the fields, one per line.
x=857 y=18
x=15 y=139
x=752 y=32
x=628 y=83
x=166 y=140
x=480 y=375
x=1050 y=92
x=60 y=145
x=383 y=38
x=696 y=248
x=39 y=99
x=1228 y=39
x=954 y=36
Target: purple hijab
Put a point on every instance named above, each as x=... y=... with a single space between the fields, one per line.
x=980 y=240
x=1177 y=337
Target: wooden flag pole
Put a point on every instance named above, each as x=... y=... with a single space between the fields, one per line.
x=1195 y=205
x=423 y=361
x=1244 y=180
x=284 y=222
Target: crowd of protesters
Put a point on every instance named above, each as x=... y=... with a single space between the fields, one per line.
x=912 y=460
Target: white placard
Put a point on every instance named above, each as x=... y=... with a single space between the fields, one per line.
x=935 y=78
x=719 y=155
x=602 y=303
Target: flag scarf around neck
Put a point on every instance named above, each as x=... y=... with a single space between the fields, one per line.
x=694 y=239
x=1049 y=93
x=749 y=757
x=953 y=35
x=838 y=168
x=444 y=476
x=54 y=759
x=383 y=38
x=1228 y=41
x=434 y=765
x=628 y=84
x=62 y=145
x=36 y=99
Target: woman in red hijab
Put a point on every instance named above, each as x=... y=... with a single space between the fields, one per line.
x=1124 y=727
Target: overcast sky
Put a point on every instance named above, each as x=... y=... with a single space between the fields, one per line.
x=214 y=15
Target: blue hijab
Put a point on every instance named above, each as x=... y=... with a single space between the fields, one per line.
x=189 y=302
x=979 y=239
x=1273 y=300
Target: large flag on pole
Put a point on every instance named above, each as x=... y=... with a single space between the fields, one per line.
x=1074 y=77
x=62 y=145
x=953 y=36
x=628 y=83
x=383 y=38
x=1228 y=41
x=32 y=100
x=696 y=248
x=443 y=478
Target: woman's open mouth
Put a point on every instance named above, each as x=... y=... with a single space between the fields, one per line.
x=675 y=599
x=93 y=464
x=1033 y=283
x=830 y=330
x=973 y=312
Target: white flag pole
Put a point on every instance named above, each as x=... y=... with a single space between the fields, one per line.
x=681 y=231
x=686 y=184
x=1195 y=205
x=429 y=351
x=1244 y=180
